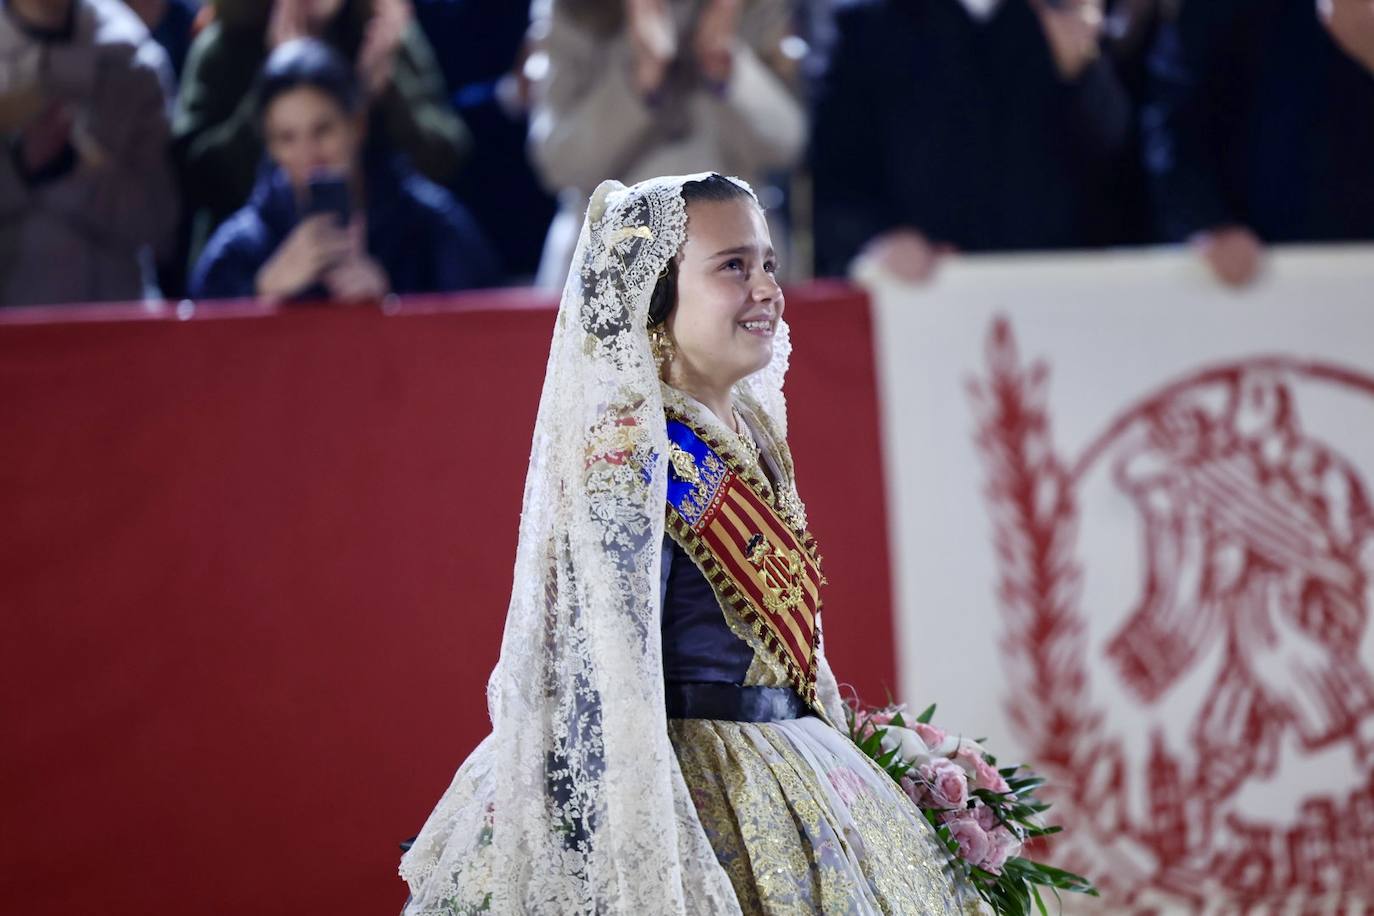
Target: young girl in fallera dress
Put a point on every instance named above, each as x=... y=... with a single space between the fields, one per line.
x=667 y=736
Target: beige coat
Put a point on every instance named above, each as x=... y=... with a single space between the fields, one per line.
x=589 y=123
x=84 y=235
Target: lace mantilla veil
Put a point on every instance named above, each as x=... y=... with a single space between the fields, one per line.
x=575 y=802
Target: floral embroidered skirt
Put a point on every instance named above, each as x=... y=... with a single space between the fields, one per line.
x=804 y=823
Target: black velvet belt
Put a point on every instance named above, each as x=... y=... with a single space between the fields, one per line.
x=733 y=703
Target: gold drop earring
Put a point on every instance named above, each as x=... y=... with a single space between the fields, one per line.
x=661 y=345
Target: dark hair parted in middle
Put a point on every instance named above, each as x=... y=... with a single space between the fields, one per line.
x=307 y=63
x=712 y=189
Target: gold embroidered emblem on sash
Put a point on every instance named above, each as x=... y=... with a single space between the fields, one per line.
x=779 y=573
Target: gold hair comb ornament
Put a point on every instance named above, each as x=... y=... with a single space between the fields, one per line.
x=629 y=232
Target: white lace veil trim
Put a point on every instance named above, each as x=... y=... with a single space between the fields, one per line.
x=575 y=803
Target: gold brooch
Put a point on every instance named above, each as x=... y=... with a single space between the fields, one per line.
x=684 y=464
x=625 y=233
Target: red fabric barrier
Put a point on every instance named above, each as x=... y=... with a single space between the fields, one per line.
x=254 y=570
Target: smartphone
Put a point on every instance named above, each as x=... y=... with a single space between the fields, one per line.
x=328 y=193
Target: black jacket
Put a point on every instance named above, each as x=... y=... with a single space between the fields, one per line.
x=963 y=130
x=416 y=231
x=1256 y=116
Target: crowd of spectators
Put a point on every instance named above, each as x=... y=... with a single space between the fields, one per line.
x=346 y=149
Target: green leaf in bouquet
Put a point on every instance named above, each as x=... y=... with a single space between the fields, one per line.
x=950 y=842
x=996 y=896
x=993 y=799
x=898 y=721
x=872 y=743
x=1039 y=903
x=1007 y=896
x=925 y=717
x=1033 y=832
x=1040 y=873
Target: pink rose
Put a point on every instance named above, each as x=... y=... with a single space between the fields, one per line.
x=946 y=783
x=986 y=776
x=985 y=816
x=973 y=841
x=848 y=785
x=914 y=789
x=1002 y=845
x=932 y=736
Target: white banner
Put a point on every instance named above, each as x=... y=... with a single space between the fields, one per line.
x=1133 y=544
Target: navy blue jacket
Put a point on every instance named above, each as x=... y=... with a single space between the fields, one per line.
x=423 y=238
x=1256 y=116
x=963 y=130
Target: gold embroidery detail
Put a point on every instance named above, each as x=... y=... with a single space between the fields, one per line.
x=744 y=620
x=790 y=843
x=779 y=573
x=615 y=441
x=783 y=499
x=684 y=464
x=624 y=233
x=709 y=475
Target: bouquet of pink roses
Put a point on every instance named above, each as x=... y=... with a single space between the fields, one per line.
x=984 y=815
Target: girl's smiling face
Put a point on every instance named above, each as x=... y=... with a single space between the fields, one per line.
x=728 y=299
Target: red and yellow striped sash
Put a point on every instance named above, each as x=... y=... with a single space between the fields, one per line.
x=759 y=566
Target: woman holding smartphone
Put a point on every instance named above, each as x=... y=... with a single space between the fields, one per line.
x=333 y=217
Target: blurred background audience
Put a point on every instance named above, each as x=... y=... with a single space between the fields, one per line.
x=1259 y=126
x=906 y=130
x=482 y=48
x=172 y=24
x=216 y=136
x=639 y=88
x=966 y=125
x=331 y=216
x=86 y=191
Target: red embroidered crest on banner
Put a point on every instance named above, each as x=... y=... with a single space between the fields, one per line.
x=1239 y=657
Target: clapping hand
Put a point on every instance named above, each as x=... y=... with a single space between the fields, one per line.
x=381 y=41
x=289 y=21
x=45 y=137
x=1351 y=24
x=1073 y=29
x=653 y=42
x=19 y=105
x=714 y=42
